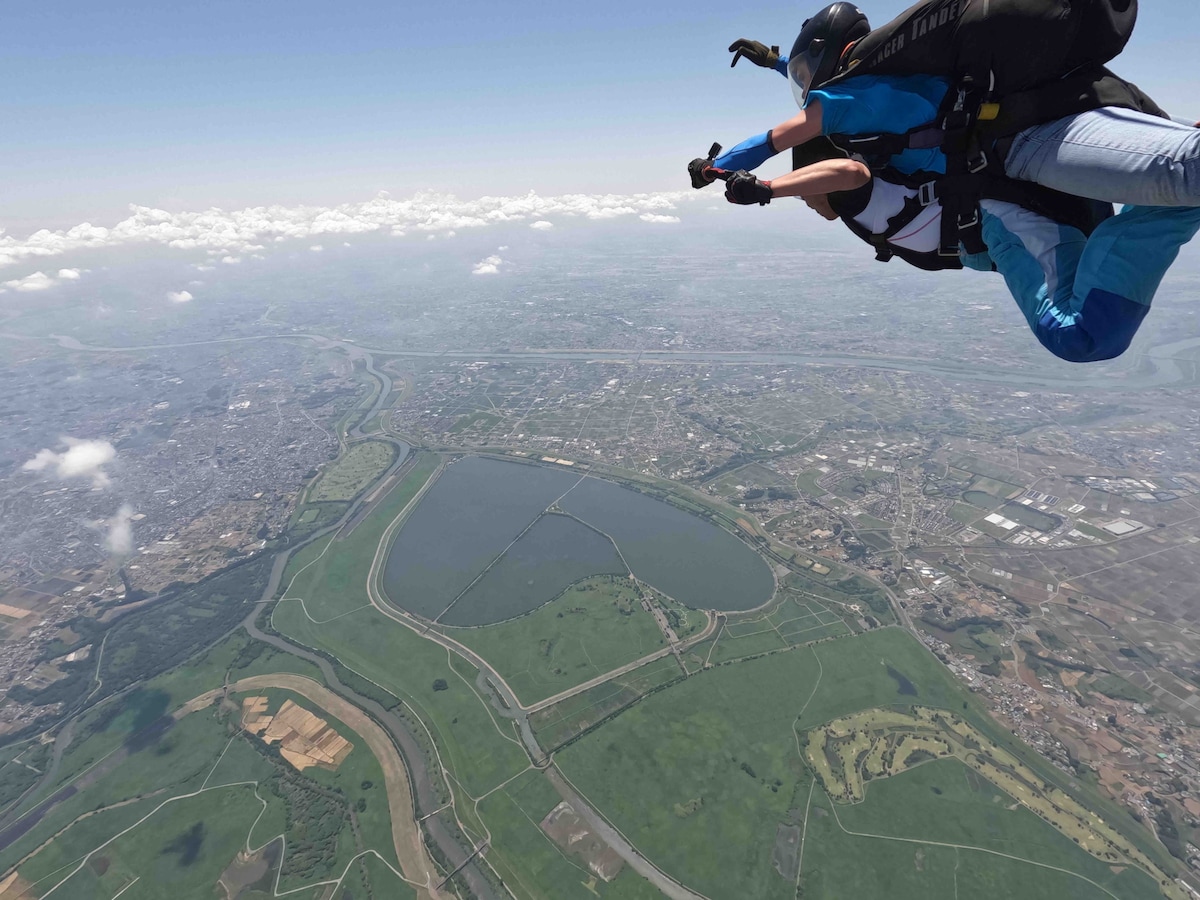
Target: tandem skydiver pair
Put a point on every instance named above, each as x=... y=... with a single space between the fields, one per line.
x=993 y=137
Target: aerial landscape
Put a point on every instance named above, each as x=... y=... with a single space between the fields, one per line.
x=564 y=545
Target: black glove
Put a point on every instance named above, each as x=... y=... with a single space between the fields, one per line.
x=759 y=54
x=746 y=190
x=699 y=169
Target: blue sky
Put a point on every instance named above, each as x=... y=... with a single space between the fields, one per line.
x=185 y=106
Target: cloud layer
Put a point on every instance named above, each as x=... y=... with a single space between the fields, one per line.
x=180 y=296
x=231 y=235
x=80 y=459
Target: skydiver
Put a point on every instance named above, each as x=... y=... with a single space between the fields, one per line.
x=1111 y=154
x=1084 y=297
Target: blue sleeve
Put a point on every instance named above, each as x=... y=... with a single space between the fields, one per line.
x=749 y=154
x=781 y=66
x=872 y=104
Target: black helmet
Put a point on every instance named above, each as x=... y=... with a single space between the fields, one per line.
x=822 y=41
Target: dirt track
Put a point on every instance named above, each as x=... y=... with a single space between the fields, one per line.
x=406 y=834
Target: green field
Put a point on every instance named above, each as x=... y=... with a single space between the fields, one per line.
x=806 y=481
x=203 y=753
x=529 y=861
x=726 y=737
x=329 y=568
x=352 y=472
x=569 y=718
x=947 y=803
x=592 y=628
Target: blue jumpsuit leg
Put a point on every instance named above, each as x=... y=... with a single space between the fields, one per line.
x=1084 y=299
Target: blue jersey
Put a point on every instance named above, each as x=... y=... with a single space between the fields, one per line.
x=884 y=104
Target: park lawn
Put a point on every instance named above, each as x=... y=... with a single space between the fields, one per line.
x=593 y=627
x=870 y=523
x=724 y=738
x=336 y=580
x=353 y=471
x=531 y=863
x=405 y=664
x=855 y=676
x=945 y=801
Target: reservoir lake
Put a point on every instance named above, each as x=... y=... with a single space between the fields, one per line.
x=492 y=540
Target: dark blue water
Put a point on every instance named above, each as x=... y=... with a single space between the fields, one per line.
x=476 y=509
x=479 y=507
x=554 y=554
x=682 y=555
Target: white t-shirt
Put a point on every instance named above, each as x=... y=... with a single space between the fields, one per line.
x=922 y=235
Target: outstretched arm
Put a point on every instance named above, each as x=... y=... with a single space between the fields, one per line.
x=826 y=177
x=816 y=182
x=753 y=152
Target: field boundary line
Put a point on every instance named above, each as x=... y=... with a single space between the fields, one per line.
x=1040 y=865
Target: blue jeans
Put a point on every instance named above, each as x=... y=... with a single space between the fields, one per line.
x=1110 y=154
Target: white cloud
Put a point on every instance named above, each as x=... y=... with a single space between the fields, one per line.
x=119 y=539
x=180 y=296
x=489 y=266
x=541 y=225
x=68 y=274
x=232 y=235
x=230 y=260
x=38 y=281
x=663 y=220
x=316 y=248
x=81 y=459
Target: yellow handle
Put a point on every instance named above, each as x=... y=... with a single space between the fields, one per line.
x=989 y=111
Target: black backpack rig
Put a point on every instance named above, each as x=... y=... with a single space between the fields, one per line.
x=1012 y=64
